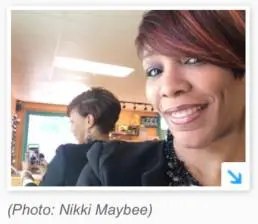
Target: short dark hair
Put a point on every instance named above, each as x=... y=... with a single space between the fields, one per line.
x=215 y=36
x=101 y=104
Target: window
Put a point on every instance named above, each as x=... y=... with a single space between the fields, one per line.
x=48 y=130
x=163 y=124
x=163 y=128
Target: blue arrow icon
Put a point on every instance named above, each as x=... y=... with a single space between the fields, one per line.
x=237 y=179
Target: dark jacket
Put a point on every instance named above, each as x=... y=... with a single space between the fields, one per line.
x=118 y=163
x=65 y=167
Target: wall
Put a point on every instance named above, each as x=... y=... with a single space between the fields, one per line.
x=127 y=117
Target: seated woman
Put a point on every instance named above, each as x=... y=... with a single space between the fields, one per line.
x=194 y=63
x=93 y=115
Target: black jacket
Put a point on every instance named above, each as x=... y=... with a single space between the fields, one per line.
x=65 y=167
x=118 y=163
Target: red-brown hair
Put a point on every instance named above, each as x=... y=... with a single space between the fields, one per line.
x=215 y=36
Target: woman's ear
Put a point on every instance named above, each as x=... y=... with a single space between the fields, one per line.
x=90 y=120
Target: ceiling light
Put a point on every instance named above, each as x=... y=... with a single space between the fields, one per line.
x=80 y=65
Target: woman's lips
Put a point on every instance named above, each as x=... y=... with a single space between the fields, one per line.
x=186 y=113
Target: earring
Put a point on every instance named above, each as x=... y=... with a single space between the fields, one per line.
x=169 y=137
x=88 y=136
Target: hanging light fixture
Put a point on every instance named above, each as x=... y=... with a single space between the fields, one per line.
x=136 y=105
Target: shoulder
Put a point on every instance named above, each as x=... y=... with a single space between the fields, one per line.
x=72 y=153
x=73 y=149
x=123 y=150
x=66 y=165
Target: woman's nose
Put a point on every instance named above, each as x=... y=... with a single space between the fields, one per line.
x=174 y=83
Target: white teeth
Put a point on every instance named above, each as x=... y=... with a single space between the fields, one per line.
x=186 y=112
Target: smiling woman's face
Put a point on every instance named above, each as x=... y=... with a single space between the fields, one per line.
x=200 y=102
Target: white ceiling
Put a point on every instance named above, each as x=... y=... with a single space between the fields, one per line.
x=103 y=36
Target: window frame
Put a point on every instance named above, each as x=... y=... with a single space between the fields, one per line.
x=26 y=126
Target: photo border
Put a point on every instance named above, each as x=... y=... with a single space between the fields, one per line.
x=11 y=188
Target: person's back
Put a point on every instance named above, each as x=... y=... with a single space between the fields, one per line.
x=93 y=115
x=66 y=166
x=119 y=163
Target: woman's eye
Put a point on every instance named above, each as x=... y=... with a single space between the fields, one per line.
x=153 y=72
x=190 y=61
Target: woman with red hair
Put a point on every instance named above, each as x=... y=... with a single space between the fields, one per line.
x=194 y=61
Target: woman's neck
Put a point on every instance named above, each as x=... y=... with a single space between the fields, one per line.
x=102 y=137
x=98 y=136
x=205 y=164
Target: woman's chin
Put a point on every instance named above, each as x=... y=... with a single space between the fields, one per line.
x=191 y=141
